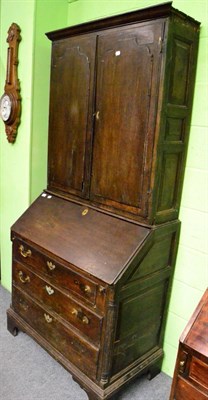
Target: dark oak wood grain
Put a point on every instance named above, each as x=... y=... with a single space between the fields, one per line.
x=128 y=154
x=94 y=255
x=71 y=105
x=120 y=173
x=96 y=243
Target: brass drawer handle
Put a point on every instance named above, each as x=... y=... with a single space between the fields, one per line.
x=87 y=289
x=182 y=366
x=24 y=253
x=22 y=279
x=49 y=290
x=85 y=320
x=50 y=265
x=96 y=115
x=84 y=288
x=79 y=314
x=75 y=312
x=48 y=318
x=24 y=306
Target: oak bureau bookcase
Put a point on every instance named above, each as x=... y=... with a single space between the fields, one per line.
x=94 y=255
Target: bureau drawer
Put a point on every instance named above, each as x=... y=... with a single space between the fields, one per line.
x=78 y=351
x=198 y=372
x=59 y=274
x=82 y=318
x=186 y=391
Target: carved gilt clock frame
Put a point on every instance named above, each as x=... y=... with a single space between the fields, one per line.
x=12 y=84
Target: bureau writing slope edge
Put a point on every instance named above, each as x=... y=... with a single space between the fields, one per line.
x=94 y=255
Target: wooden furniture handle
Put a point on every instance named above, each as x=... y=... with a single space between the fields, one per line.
x=25 y=253
x=22 y=279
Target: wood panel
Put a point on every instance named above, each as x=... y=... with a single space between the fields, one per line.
x=83 y=319
x=199 y=372
x=55 y=271
x=138 y=332
x=70 y=123
x=185 y=391
x=66 y=341
x=120 y=172
x=98 y=244
x=190 y=379
x=175 y=119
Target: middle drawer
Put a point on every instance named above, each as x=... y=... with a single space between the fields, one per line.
x=87 y=322
x=63 y=276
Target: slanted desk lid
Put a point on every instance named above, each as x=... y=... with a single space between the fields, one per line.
x=95 y=242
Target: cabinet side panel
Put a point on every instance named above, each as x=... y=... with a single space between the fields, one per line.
x=71 y=96
x=143 y=301
x=181 y=55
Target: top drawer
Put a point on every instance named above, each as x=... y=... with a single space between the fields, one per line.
x=55 y=271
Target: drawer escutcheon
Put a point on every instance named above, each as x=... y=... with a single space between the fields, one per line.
x=49 y=290
x=48 y=318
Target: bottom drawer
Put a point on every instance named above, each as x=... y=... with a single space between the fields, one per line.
x=75 y=349
x=186 y=391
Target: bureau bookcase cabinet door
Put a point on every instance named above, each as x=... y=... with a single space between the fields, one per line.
x=70 y=123
x=104 y=105
x=127 y=82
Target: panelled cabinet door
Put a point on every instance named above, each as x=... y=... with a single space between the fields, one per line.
x=70 y=123
x=128 y=61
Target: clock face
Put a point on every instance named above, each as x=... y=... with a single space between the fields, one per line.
x=5 y=107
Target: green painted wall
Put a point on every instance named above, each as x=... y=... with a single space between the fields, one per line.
x=50 y=15
x=23 y=165
x=15 y=159
x=191 y=275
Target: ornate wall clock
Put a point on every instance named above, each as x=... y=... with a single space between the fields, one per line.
x=10 y=102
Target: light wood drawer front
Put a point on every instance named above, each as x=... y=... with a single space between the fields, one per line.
x=186 y=391
x=60 y=274
x=82 y=318
x=198 y=372
x=77 y=350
